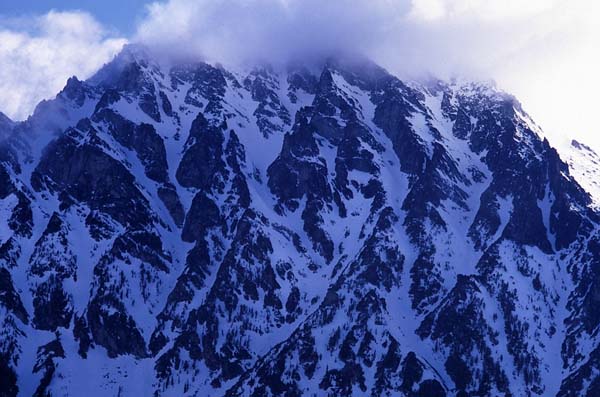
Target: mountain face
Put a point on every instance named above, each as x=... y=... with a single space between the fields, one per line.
x=198 y=231
x=584 y=164
x=6 y=126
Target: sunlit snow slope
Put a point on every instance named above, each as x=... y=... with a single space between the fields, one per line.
x=303 y=231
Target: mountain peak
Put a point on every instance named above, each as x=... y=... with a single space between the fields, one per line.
x=298 y=230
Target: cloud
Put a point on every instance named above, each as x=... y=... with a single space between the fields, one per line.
x=411 y=35
x=544 y=51
x=250 y=30
x=38 y=54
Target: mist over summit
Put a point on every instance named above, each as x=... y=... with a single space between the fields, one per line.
x=541 y=51
x=318 y=228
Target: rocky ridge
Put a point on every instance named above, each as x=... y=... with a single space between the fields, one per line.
x=195 y=230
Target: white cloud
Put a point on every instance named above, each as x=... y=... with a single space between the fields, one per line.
x=544 y=51
x=38 y=55
x=247 y=30
x=428 y=10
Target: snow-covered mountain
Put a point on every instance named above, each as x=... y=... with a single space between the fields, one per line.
x=193 y=230
x=584 y=164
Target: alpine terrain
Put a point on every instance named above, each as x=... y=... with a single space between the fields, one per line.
x=331 y=230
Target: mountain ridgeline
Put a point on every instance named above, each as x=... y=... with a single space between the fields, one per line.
x=194 y=230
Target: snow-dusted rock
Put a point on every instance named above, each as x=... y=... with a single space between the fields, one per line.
x=197 y=230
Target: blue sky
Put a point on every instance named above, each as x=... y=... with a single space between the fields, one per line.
x=121 y=15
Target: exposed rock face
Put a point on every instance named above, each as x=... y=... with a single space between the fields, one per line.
x=6 y=126
x=291 y=232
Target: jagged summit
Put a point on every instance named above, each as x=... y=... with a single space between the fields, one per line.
x=194 y=229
